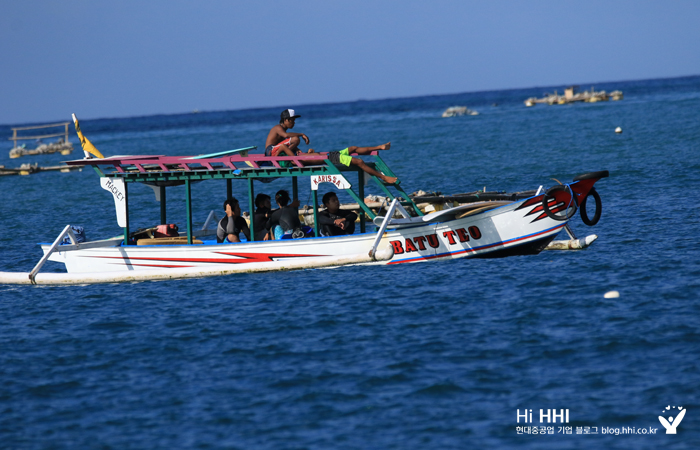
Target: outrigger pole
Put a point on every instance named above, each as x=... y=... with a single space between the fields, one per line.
x=34 y=277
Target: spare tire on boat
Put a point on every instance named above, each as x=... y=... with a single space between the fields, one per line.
x=598 y=208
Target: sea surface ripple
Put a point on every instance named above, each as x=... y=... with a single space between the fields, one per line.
x=433 y=355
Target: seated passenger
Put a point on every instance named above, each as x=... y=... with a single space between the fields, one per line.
x=284 y=222
x=262 y=214
x=335 y=221
x=231 y=226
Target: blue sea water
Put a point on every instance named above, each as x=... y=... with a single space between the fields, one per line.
x=434 y=355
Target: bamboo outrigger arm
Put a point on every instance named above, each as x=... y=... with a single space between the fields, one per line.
x=66 y=231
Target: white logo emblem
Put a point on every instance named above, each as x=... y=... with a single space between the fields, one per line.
x=672 y=423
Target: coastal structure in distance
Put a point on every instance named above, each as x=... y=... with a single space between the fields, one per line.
x=62 y=145
x=571 y=96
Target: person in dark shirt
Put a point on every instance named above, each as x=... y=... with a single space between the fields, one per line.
x=335 y=221
x=231 y=226
x=284 y=222
x=262 y=214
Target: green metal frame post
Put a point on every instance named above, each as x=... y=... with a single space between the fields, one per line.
x=382 y=167
x=229 y=188
x=188 y=200
x=126 y=201
x=315 y=195
x=361 y=190
x=362 y=204
x=162 y=206
x=295 y=188
x=360 y=201
x=251 y=206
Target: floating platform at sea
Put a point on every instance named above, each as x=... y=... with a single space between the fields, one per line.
x=571 y=96
x=62 y=145
x=28 y=169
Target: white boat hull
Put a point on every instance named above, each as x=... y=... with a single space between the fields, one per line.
x=187 y=272
x=517 y=228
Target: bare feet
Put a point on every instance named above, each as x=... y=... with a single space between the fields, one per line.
x=388 y=180
x=386 y=146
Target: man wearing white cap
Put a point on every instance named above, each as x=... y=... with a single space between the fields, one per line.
x=279 y=142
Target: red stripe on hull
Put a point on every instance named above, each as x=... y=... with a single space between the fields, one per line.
x=244 y=258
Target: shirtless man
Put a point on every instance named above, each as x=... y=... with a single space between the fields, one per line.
x=279 y=142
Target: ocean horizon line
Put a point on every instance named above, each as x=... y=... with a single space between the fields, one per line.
x=332 y=103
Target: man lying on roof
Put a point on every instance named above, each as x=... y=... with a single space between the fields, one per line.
x=343 y=157
x=280 y=143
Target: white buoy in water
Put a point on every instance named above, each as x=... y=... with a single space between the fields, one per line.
x=618 y=130
x=612 y=294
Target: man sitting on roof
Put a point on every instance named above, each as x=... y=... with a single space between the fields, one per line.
x=281 y=143
x=335 y=221
x=231 y=226
x=343 y=157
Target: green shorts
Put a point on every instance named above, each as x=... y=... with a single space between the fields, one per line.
x=342 y=157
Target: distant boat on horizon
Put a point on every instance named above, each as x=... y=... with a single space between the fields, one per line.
x=453 y=111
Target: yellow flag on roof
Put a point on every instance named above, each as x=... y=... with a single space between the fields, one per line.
x=85 y=142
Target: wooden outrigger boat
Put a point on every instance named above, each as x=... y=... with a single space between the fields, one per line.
x=403 y=234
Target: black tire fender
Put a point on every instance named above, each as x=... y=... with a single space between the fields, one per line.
x=548 y=196
x=598 y=208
